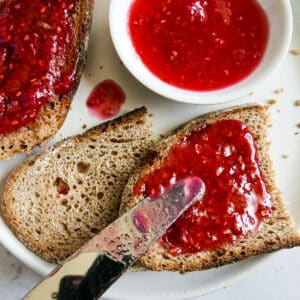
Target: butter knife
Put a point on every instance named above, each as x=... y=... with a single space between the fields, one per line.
x=92 y=269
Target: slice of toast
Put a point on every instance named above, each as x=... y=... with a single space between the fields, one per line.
x=277 y=232
x=53 y=114
x=60 y=198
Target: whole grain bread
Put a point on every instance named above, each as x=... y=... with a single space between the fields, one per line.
x=53 y=114
x=60 y=198
x=277 y=232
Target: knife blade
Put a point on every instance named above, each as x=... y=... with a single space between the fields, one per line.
x=92 y=269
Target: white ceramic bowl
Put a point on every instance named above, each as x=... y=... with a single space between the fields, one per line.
x=280 y=18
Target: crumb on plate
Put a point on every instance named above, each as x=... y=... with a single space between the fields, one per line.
x=297 y=102
x=295 y=51
x=279 y=91
x=272 y=101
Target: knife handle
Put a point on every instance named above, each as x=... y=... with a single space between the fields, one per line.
x=68 y=288
x=103 y=273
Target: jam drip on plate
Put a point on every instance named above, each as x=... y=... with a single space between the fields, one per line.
x=37 y=57
x=236 y=203
x=199 y=44
x=106 y=99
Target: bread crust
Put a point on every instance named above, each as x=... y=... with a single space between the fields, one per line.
x=276 y=233
x=53 y=114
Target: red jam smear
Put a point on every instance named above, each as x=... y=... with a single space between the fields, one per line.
x=37 y=57
x=106 y=99
x=199 y=45
x=61 y=186
x=236 y=202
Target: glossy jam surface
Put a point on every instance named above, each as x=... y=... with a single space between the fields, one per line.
x=37 y=59
x=236 y=202
x=141 y=221
x=106 y=99
x=199 y=44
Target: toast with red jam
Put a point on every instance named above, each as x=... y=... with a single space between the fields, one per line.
x=242 y=214
x=42 y=56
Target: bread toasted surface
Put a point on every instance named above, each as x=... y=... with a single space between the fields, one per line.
x=52 y=115
x=60 y=198
x=277 y=232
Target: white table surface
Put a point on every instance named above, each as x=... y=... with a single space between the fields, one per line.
x=277 y=277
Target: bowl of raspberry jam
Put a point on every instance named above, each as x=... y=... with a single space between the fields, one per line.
x=201 y=51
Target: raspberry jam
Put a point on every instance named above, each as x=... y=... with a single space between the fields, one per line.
x=37 y=57
x=236 y=202
x=199 y=45
x=61 y=186
x=106 y=99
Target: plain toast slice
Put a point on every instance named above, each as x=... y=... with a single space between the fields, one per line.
x=277 y=232
x=52 y=115
x=60 y=198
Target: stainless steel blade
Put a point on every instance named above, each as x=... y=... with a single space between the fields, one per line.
x=118 y=246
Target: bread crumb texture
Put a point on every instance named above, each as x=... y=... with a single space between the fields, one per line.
x=59 y=199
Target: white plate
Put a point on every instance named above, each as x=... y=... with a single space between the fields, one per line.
x=168 y=114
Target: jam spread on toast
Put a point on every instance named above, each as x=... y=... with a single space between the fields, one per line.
x=236 y=203
x=38 y=57
x=199 y=44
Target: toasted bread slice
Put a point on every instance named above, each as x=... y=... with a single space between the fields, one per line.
x=277 y=232
x=53 y=114
x=60 y=198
